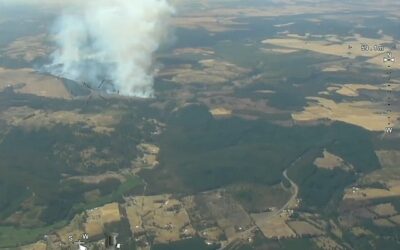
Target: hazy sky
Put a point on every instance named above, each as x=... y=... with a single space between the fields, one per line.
x=35 y=2
x=41 y=4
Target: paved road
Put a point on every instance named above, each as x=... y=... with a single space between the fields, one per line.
x=295 y=191
x=293 y=186
x=248 y=233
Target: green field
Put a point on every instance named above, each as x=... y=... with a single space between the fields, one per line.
x=10 y=236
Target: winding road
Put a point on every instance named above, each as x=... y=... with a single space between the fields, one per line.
x=293 y=186
x=291 y=202
x=295 y=192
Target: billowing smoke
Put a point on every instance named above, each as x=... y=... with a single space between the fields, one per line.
x=111 y=42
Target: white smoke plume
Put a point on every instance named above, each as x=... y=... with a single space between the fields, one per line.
x=112 y=41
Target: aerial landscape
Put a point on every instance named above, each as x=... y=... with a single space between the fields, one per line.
x=200 y=125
